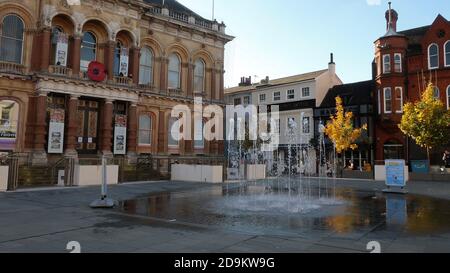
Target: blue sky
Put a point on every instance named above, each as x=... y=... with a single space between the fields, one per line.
x=280 y=38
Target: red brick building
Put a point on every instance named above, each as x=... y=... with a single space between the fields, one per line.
x=405 y=62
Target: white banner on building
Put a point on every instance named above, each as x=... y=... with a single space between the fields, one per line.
x=56 y=131
x=124 y=59
x=120 y=135
x=62 y=46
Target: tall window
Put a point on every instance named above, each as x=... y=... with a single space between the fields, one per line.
x=199 y=76
x=120 y=60
x=88 y=50
x=11 y=39
x=246 y=100
x=237 y=101
x=174 y=132
x=174 y=71
x=146 y=66
x=387 y=100
x=199 y=141
x=398 y=62
x=448 y=97
x=386 y=63
x=447 y=53
x=433 y=56
x=306 y=125
x=59 y=47
x=399 y=100
x=436 y=92
x=145 y=130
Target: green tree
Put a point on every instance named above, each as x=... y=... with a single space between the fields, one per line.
x=426 y=121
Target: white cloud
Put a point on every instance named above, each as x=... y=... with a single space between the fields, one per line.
x=373 y=2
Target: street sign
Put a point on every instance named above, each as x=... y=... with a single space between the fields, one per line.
x=395 y=173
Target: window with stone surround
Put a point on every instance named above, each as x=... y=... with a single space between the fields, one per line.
x=387 y=100
x=146 y=66
x=174 y=71
x=398 y=100
x=398 y=62
x=386 y=64
x=145 y=129
x=11 y=39
x=433 y=56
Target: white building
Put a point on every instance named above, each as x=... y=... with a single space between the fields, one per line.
x=296 y=97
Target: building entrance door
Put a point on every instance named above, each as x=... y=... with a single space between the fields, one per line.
x=88 y=120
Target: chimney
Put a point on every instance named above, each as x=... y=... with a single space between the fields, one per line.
x=391 y=18
x=332 y=65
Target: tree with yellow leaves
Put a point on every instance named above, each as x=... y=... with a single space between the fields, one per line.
x=426 y=121
x=341 y=131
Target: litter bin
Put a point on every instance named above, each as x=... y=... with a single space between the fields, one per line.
x=420 y=166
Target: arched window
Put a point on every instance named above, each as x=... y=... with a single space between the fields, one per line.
x=120 y=60
x=387 y=100
x=145 y=130
x=433 y=56
x=386 y=63
x=448 y=97
x=146 y=66
x=447 y=53
x=398 y=100
x=398 y=62
x=174 y=71
x=9 y=116
x=11 y=39
x=173 y=132
x=393 y=150
x=59 y=47
x=88 y=50
x=436 y=92
x=199 y=76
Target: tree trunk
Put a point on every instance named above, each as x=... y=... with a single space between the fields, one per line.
x=429 y=159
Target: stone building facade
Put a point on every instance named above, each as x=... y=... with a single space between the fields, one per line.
x=52 y=59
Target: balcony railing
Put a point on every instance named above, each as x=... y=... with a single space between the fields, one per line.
x=203 y=23
x=175 y=92
x=13 y=68
x=179 y=16
x=122 y=80
x=60 y=70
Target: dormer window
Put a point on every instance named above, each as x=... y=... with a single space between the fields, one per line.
x=386 y=64
x=433 y=56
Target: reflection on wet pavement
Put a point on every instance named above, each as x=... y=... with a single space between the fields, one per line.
x=254 y=210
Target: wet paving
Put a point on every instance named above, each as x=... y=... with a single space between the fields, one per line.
x=255 y=210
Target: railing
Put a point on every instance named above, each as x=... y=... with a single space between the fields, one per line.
x=179 y=16
x=175 y=92
x=203 y=23
x=122 y=80
x=13 y=68
x=60 y=70
x=155 y=10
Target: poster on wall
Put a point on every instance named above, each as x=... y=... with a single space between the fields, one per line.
x=123 y=70
x=120 y=135
x=62 y=46
x=9 y=115
x=56 y=131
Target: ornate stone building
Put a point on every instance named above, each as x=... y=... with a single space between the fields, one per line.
x=55 y=101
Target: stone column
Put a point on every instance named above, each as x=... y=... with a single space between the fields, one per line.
x=132 y=129
x=76 y=54
x=39 y=156
x=45 y=49
x=134 y=64
x=162 y=133
x=221 y=88
x=213 y=84
x=190 y=80
x=72 y=127
x=107 y=127
x=163 y=81
x=109 y=58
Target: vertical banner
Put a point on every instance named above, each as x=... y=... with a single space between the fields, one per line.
x=124 y=59
x=120 y=135
x=62 y=46
x=56 y=131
